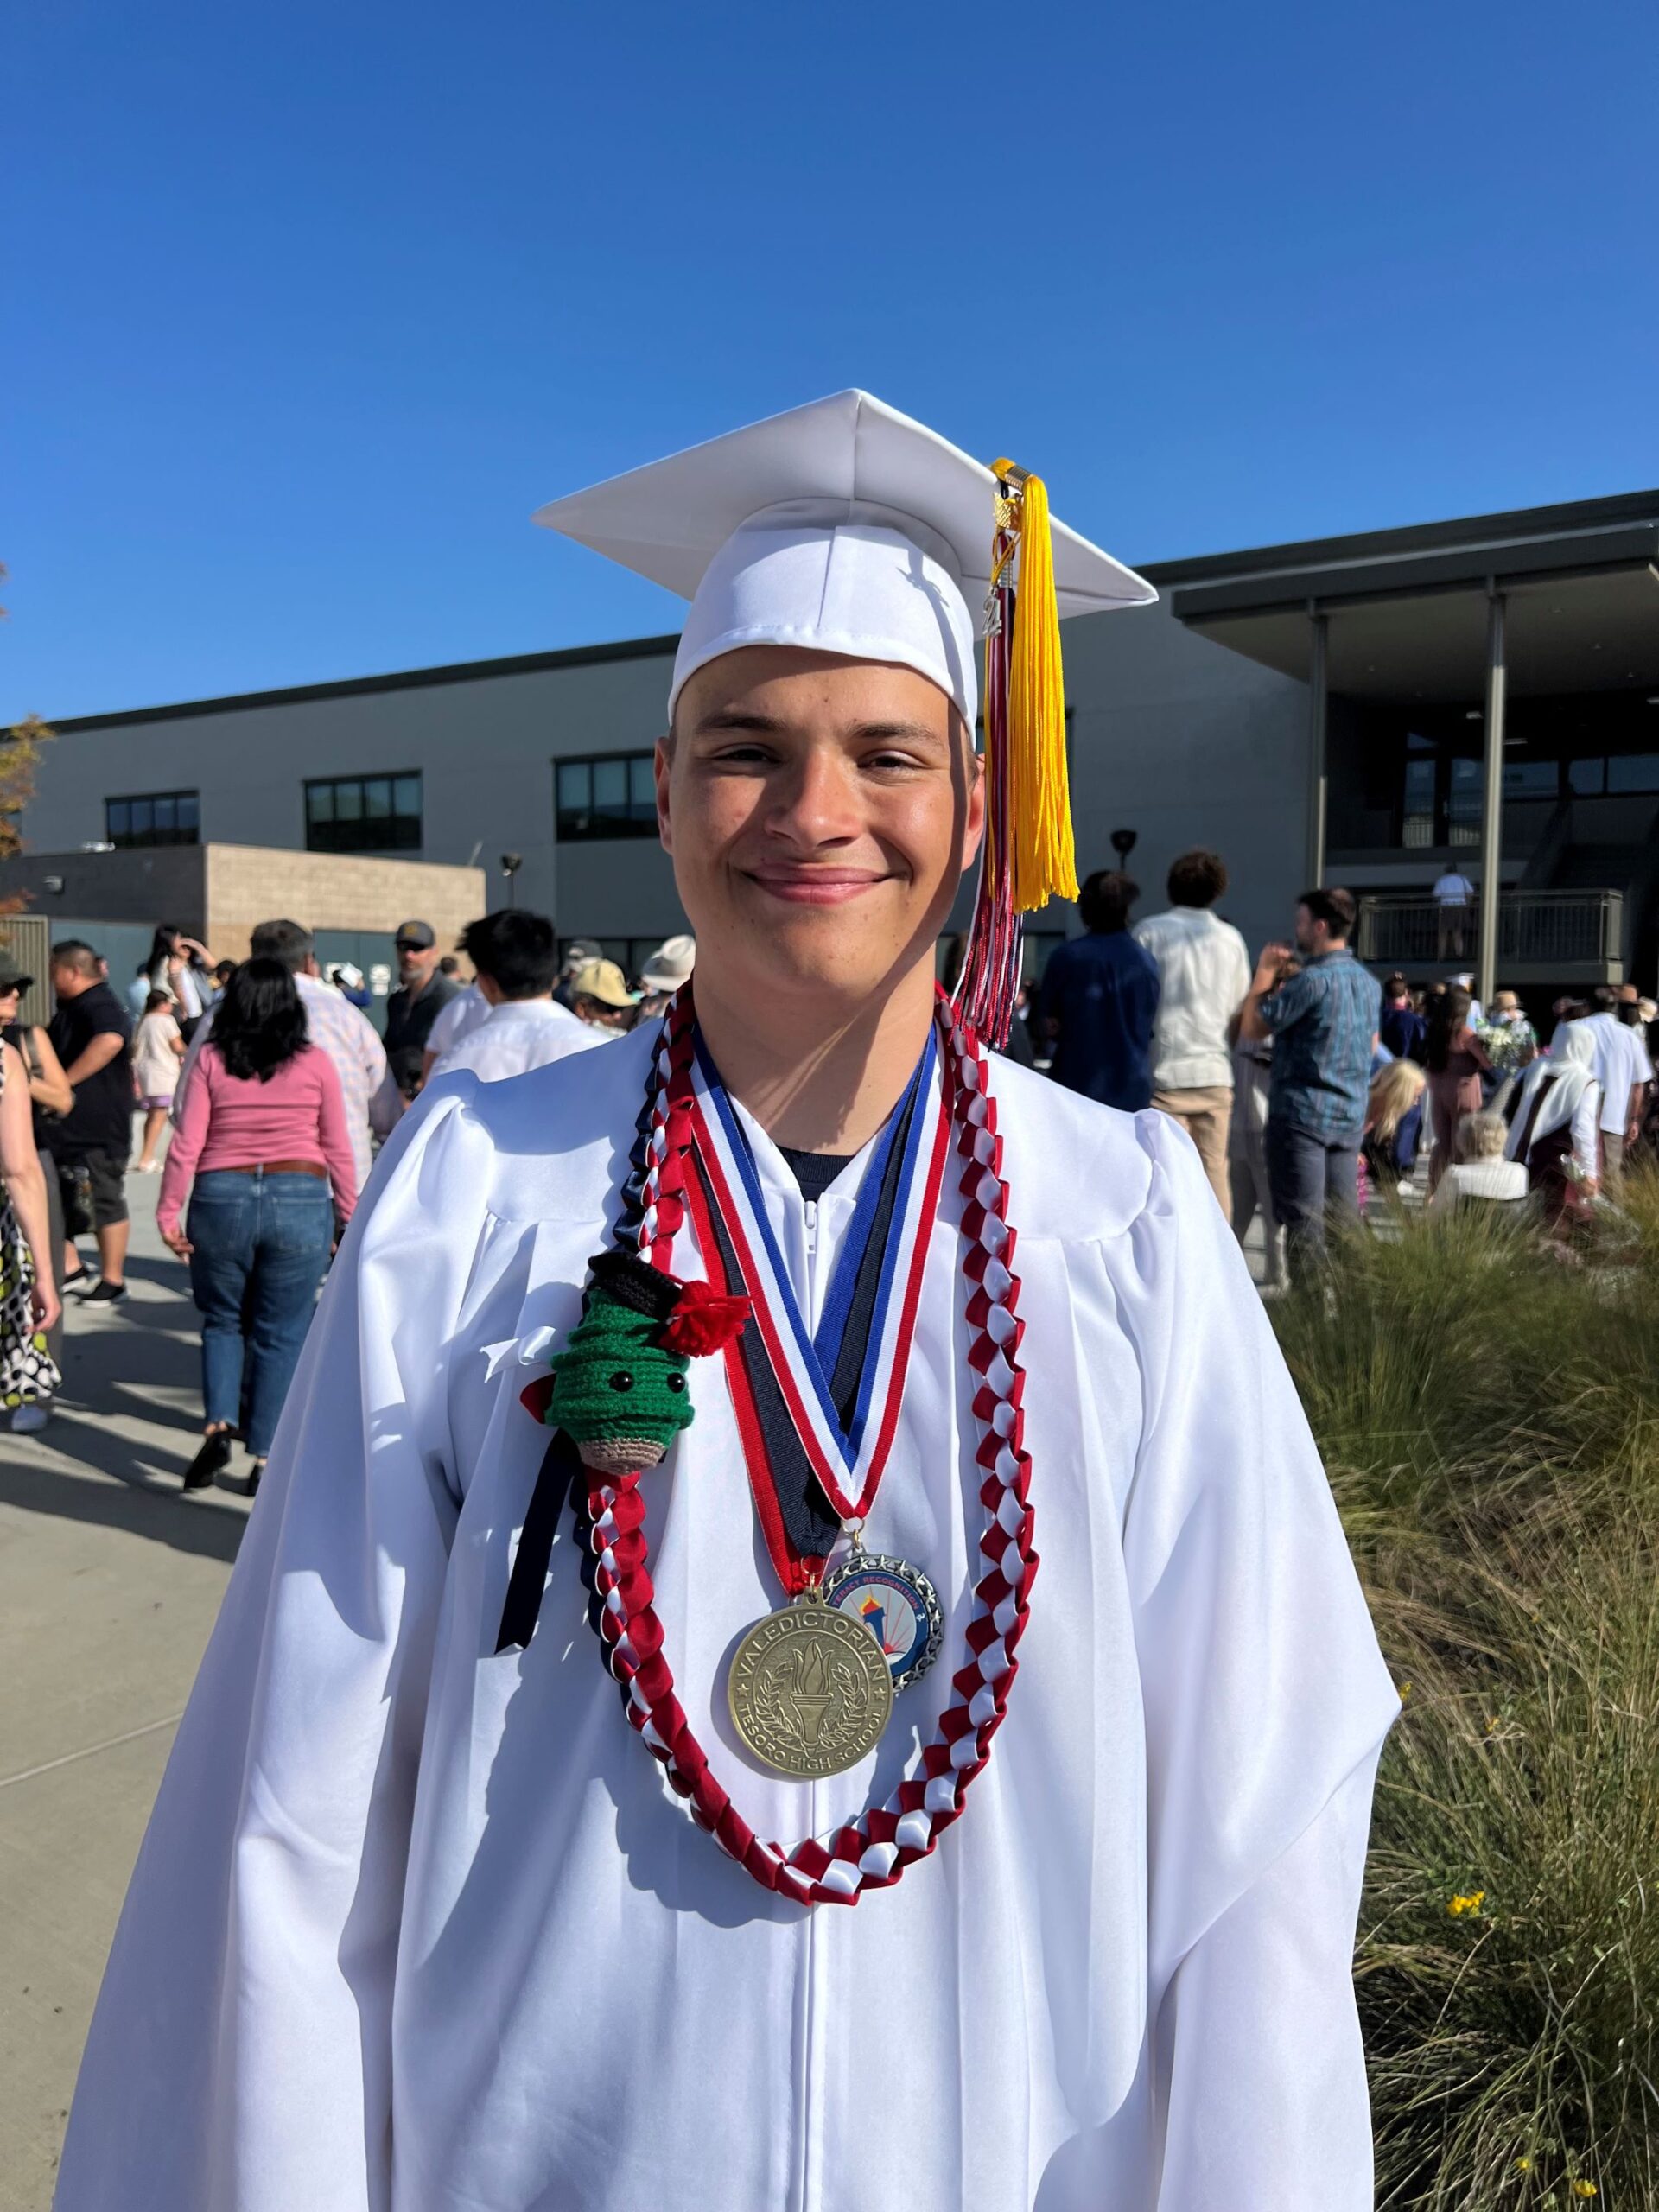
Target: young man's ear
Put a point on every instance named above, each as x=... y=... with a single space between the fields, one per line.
x=662 y=763
x=974 y=818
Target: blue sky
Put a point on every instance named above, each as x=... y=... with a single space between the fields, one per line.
x=308 y=307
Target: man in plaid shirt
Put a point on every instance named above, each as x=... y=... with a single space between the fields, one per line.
x=1323 y=1020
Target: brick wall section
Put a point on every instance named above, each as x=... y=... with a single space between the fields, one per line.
x=249 y=884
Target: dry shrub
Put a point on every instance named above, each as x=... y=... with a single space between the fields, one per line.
x=1491 y=1417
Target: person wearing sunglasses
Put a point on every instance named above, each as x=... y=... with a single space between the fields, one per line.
x=31 y=1311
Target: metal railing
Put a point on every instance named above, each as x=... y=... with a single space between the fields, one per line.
x=1535 y=929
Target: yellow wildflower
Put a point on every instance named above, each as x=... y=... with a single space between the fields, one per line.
x=1491 y=1725
x=1472 y=1904
x=1523 y=2165
x=1584 y=2188
x=1405 y=1692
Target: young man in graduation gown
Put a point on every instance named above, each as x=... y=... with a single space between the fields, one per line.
x=417 y=1925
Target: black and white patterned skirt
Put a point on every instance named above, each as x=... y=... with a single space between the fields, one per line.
x=28 y=1371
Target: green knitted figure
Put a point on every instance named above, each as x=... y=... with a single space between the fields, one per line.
x=618 y=1386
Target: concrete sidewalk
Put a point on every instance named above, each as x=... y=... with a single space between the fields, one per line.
x=110 y=1581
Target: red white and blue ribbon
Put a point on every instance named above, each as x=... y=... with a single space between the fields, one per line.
x=848 y=1462
x=873 y=1849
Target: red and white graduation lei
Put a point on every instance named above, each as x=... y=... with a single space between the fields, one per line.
x=873 y=1851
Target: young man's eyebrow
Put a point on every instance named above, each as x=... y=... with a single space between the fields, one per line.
x=724 y=720
x=921 y=731
x=738 y=718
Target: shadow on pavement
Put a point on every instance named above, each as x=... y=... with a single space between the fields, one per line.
x=128 y=1419
x=158 y=1512
x=165 y=1273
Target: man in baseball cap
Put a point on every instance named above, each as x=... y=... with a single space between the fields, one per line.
x=578 y=951
x=422 y=995
x=600 y=994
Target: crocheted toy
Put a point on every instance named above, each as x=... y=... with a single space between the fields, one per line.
x=618 y=1386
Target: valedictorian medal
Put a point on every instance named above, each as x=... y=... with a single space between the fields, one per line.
x=810 y=1689
x=812 y=1685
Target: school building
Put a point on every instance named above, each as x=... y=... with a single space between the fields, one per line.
x=1478 y=697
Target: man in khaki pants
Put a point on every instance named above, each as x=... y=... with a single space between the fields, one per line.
x=1205 y=974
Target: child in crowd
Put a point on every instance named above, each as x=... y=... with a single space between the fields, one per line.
x=157 y=1051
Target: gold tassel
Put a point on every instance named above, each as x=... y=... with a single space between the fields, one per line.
x=1040 y=799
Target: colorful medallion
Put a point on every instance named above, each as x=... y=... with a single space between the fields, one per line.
x=808 y=1690
x=898 y=1604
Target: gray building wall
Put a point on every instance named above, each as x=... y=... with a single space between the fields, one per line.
x=1172 y=735
x=484 y=745
x=1188 y=744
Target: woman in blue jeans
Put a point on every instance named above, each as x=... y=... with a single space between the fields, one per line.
x=262 y=1129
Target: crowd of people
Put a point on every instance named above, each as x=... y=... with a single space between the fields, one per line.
x=1309 y=1091
x=265 y=1091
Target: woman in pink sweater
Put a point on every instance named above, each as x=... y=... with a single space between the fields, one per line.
x=262 y=1128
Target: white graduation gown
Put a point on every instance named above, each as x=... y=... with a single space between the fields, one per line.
x=416 y=1928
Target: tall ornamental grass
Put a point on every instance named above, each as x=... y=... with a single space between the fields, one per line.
x=1490 y=1414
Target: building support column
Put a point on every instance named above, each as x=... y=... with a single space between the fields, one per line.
x=1491 y=825
x=1317 y=776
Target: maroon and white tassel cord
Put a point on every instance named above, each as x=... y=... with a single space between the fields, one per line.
x=873 y=1850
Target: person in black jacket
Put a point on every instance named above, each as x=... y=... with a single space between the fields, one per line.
x=422 y=995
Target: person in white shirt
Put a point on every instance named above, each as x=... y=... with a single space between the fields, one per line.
x=1553 y=1130
x=1622 y=1067
x=1204 y=974
x=1453 y=896
x=1481 y=1175
x=157 y=1049
x=515 y=956
x=1467 y=982
x=466 y=1011
x=183 y=967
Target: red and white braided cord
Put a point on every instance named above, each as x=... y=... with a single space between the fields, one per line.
x=873 y=1851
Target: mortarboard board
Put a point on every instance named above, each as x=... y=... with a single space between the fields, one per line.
x=849 y=463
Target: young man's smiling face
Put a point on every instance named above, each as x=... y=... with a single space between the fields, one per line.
x=820 y=812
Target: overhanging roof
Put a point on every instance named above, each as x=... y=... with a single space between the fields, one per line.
x=405 y=679
x=1409 y=608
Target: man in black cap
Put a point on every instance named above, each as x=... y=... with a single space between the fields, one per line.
x=415 y=1004
x=91 y=1035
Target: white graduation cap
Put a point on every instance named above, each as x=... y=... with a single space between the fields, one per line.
x=840 y=527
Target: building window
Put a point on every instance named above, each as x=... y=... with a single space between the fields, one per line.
x=362 y=814
x=1633 y=772
x=1465 y=794
x=160 y=818
x=614 y=797
x=1417 y=828
x=1531 y=779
